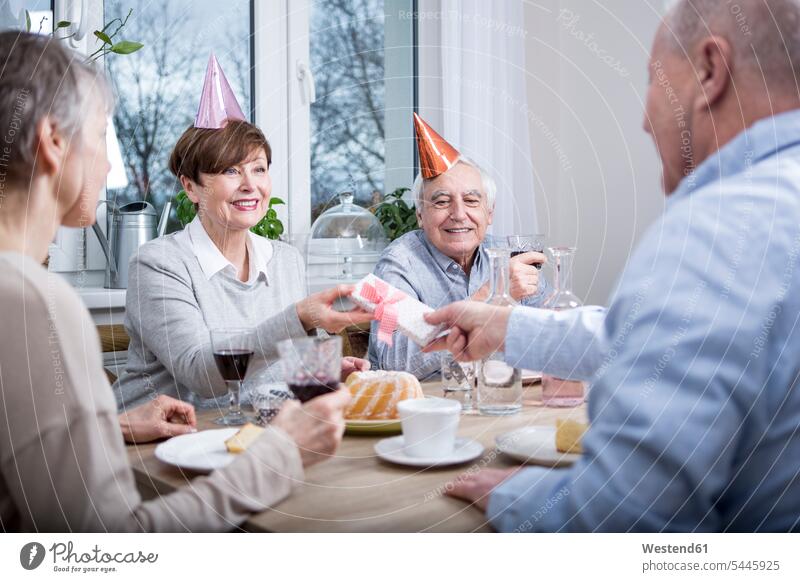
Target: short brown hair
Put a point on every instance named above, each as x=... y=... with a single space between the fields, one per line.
x=212 y=151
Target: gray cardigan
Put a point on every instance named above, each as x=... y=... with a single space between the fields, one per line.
x=172 y=304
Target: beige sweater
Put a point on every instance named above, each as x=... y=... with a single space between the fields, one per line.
x=63 y=463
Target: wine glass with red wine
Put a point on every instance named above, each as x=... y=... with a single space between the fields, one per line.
x=233 y=348
x=311 y=366
x=525 y=243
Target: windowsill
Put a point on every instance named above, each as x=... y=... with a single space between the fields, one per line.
x=101 y=298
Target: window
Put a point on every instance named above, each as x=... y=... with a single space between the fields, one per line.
x=354 y=130
x=356 y=135
x=347 y=118
x=158 y=87
x=33 y=15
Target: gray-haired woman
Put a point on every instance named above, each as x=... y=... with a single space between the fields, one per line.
x=63 y=464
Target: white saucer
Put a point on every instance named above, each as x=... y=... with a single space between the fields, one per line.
x=392 y=450
x=201 y=451
x=536 y=445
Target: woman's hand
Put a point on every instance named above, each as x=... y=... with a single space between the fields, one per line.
x=350 y=365
x=476 y=329
x=160 y=418
x=523 y=276
x=316 y=311
x=317 y=426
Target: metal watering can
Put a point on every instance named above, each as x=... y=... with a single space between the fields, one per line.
x=129 y=227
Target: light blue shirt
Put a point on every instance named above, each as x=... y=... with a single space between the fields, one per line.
x=695 y=407
x=416 y=267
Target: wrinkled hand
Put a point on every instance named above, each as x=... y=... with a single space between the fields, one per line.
x=317 y=426
x=524 y=277
x=476 y=329
x=316 y=311
x=350 y=365
x=476 y=487
x=160 y=418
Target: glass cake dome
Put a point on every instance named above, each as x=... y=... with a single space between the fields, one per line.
x=347 y=238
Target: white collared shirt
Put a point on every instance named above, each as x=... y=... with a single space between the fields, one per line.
x=212 y=261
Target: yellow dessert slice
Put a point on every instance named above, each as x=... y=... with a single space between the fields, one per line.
x=239 y=442
x=568 y=436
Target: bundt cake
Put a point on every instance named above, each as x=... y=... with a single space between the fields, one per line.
x=376 y=394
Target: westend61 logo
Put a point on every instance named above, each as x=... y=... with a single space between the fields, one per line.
x=66 y=559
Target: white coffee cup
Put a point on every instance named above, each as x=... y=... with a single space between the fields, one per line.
x=429 y=426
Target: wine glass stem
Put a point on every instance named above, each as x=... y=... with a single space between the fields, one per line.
x=234 y=386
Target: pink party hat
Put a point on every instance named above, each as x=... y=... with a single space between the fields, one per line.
x=217 y=101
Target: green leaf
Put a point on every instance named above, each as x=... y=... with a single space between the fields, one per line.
x=103 y=36
x=27 y=21
x=63 y=24
x=184 y=208
x=275 y=201
x=271 y=214
x=126 y=47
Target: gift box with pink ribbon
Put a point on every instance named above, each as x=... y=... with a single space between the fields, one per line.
x=394 y=310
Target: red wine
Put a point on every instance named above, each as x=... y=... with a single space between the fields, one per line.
x=516 y=253
x=312 y=387
x=232 y=364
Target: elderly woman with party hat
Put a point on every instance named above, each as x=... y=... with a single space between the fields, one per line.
x=215 y=273
x=446 y=259
x=63 y=464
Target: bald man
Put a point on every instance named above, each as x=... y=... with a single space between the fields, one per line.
x=695 y=403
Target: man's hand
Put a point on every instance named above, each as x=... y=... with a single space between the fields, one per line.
x=351 y=364
x=477 y=487
x=476 y=329
x=160 y=418
x=523 y=275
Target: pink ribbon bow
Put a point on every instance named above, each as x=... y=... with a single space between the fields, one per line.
x=385 y=307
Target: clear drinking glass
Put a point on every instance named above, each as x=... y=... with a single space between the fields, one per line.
x=458 y=380
x=233 y=348
x=556 y=392
x=499 y=385
x=525 y=243
x=267 y=398
x=311 y=366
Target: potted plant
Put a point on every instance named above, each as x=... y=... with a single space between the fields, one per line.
x=269 y=227
x=395 y=215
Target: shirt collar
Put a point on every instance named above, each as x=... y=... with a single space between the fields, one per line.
x=445 y=263
x=765 y=138
x=211 y=259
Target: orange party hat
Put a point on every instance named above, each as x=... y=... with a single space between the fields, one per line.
x=436 y=156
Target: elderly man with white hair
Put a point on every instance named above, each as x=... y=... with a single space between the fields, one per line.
x=694 y=407
x=446 y=260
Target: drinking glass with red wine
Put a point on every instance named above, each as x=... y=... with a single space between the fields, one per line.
x=233 y=349
x=312 y=366
x=525 y=243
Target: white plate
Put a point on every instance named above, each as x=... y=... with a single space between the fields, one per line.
x=392 y=450
x=200 y=451
x=536 y=445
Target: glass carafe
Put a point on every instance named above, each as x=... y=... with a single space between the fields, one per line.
x=499 y=385
x=556 y=392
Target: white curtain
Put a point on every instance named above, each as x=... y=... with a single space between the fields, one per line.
x=484 y=102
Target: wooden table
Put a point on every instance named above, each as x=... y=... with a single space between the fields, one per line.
x=357 y=492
